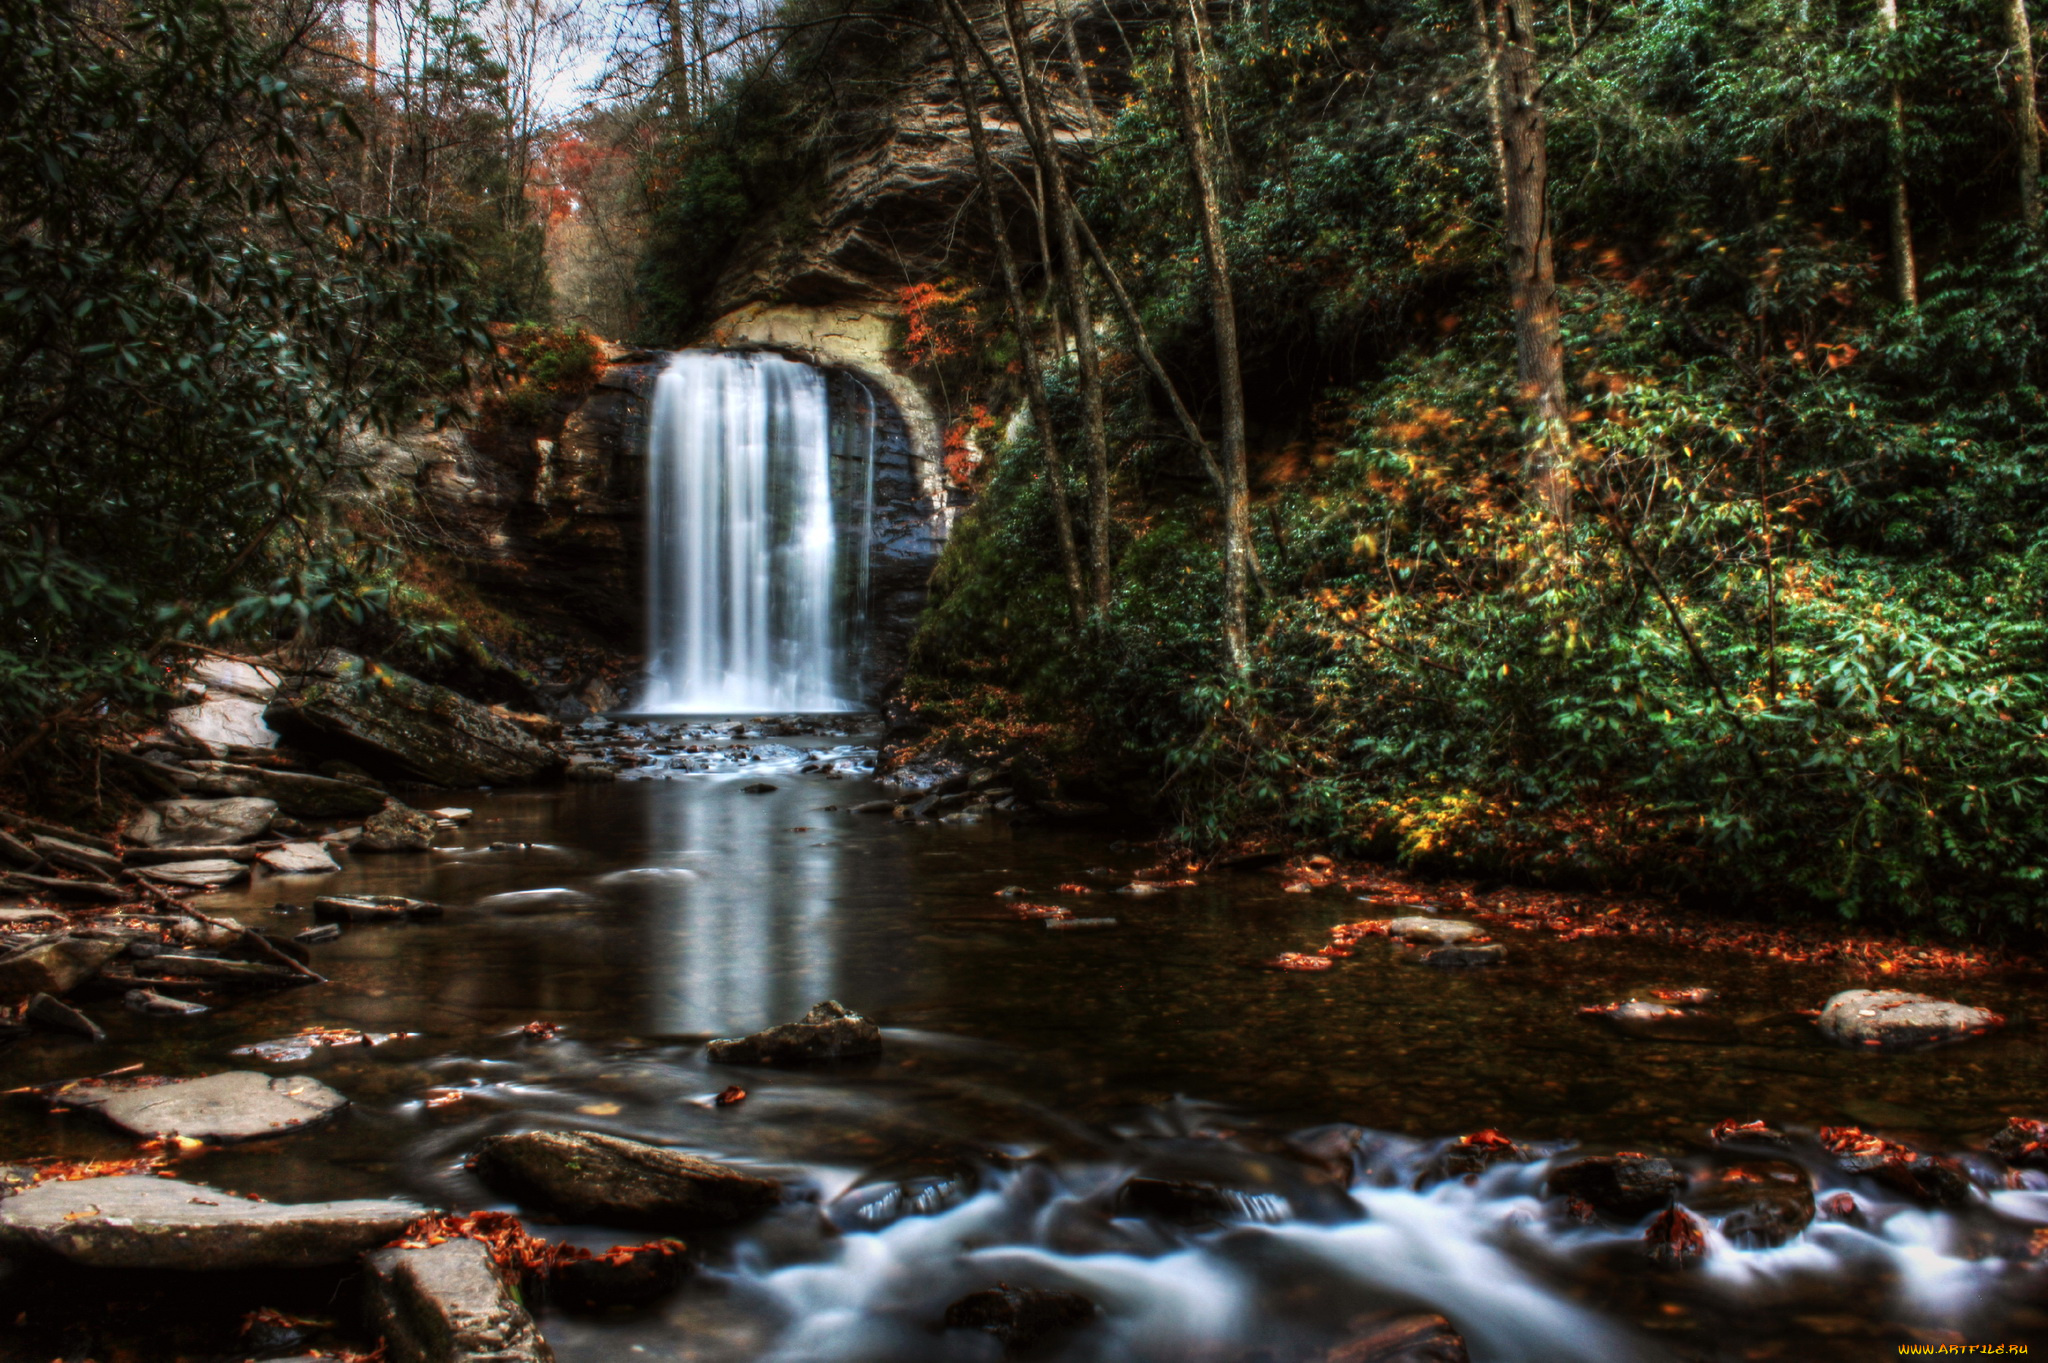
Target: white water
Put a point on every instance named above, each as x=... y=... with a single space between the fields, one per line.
x=744 y=602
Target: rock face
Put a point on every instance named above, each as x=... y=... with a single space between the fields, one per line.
x=54 y=967
x=1892 y=1018
x=221 y=1108
x=385 y=719
x=830 y=1031
x=202 y=823
x=447 y=1304
x=1619 y=1187
x=589 y=1176
x=137 y=1221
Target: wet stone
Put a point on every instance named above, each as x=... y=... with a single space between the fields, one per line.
x=1894 y=1018
x=1433 y=931
x=398 y=828
x=201 y=823
x=1470 y=1156
x=1391 y=1338
x=152 y=1004
x=1621 y=1188
x=55 y=967
x=372 y=908
x=1757 y=1205
x=830 y=1031
x=884 y=1198
x=209 y=871
x=54 y=1015
x=1464 y=954
x=1019 y=1316
x=589 y=1176
x=140 y=1221
x=447 y=1304
x=1662 y=1022
x=626 y=1276
x=300 y=859
x=236 y=1106
x=2022 y=1142
x=326 y=932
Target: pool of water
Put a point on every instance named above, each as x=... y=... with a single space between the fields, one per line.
x=1027 y=1072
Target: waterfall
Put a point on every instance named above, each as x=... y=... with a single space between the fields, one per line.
x=749 y=596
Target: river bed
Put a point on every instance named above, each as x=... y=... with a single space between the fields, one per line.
x=1028 y=1072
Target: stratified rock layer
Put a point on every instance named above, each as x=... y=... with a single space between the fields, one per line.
x=589 y=1176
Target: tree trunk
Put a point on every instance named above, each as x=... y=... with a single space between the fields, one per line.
x=1223 y=312
x=1080 y=311
x=1020 y=324
x=2022 y=33
x=1516 y=85
x=370 y=70
x=1902 y=217
x=1082 y=87
x=678 y=59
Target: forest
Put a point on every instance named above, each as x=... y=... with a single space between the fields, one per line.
x=1096 y=681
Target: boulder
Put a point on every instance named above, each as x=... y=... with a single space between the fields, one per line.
x=202 y=823
x=2022 y=1143
x=222 y=722
x=139 y=1221
x=54 y=1015
x=1433 y=931
x=1019 y=1316
x=1400 y=1338
x=1893 y=1018
x=1931 y=1180
x=206 y=871
x=1459 y=954
x=624 y=1276
x=386 y=719
x=300 y=859
x=830 y=1031
x=589 y=1176
x=447 y=1304
x=1618 y=1187
x=233 y=677
x=236 y=1106
x=398 y=828
x=1471 y=1156
x=1758 y=1204
x=55 y=967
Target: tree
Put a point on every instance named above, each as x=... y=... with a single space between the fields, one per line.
x=1905 y=272
x=2021 y=31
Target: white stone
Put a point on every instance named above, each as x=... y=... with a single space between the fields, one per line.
x=202 y=823
x=221 y=722
x=300 y=859
x=211 y=871
x=231 y=676
x=239 y=1105
x=1893 y=1018
x=1433 y=930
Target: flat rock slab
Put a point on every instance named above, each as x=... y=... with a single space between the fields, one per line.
x=372 y=908
x=447 y=1304
x=237 y=1106
x=830 y=1031
x=209 y=871
x=1894 y=1018
x=202 y=823
x=222 y=722
x=1434 y=931
x=55 y=967
x=137 y=1221
x=589 y=1176
x=300 y=859
x=1459 y=954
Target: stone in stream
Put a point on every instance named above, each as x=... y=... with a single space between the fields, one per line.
x=208 y=871
x=171 y=965
x=326 y=932
x=373 y=908
x=1391 y=1337
x=625 y=1276
x=152 y=1004
x=377 y=715
x=138 y=1221
x=1621 y=1188
x=1082 y=924
x=54 y=1015
x=2022 y=1143
x=222 y=722
x=1019 y=1316
x=549 y=899
x=447 y=1304
x=830 y=1031
x=1894 y=1018
x=300 y=859
x=1661 y=1022
x=1758 y=1204
x=54 y=967
x=757 y=788
x=1459 y=954
x=589 y=1176
x=238 y=1105
x=1471 y=1156
x=398 y=828
x=1930 y=1180
x=1433 y=931
x=201 y=823
x=875 y=807
x=453 y=814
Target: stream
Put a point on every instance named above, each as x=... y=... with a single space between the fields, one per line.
x=1027 y=1073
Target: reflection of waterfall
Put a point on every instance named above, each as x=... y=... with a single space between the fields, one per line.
x=754 y=941
x=747 y=585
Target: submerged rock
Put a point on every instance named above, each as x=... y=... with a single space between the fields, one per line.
x=220 y=1108
x=625 y=1276
x=1470 y=1156
x=549 y=899
x=1618 y=1187
x=887 y=1196
x=1757 y=1205
x=398 y=828
x=589 y=1176
x=1894 y=1018
x=1459 y=954
x=138 y=1221
x=1019 y=1316
x=447 y=1304
x=383 y=717
x=372 y=908
x=1402 y=1338
x=1662 y=1022
x=830 y=1031
x=300 y=859
x=55 y=967
x=1433 y=931
x=202 y=823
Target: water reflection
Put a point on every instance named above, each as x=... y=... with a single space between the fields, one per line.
x=751 y=940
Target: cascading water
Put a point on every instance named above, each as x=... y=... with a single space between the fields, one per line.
x=749 y=593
